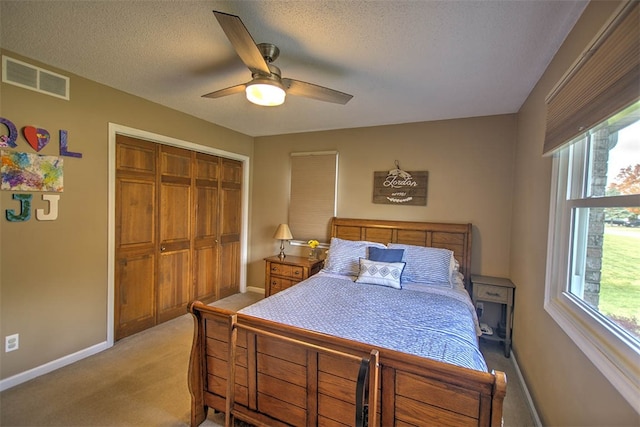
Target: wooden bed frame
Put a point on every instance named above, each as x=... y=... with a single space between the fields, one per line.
x=285 y=375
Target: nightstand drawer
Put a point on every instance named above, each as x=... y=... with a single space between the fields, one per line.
x=278 y=284
x=293 y=271
x=491 y=293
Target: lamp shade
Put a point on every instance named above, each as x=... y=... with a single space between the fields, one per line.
x=283 y=232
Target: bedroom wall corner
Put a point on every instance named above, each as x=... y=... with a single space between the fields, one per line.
x=470 y=165
x=54 y=274
x=567 y=389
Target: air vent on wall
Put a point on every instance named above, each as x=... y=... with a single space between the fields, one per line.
x=35 y=78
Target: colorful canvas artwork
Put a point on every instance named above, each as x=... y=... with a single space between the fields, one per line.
x=31 y=172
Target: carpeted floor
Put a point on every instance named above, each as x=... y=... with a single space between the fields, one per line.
x=516 y=411
x=142 y=381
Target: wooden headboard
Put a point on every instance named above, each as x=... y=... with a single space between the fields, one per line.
x=455 y=237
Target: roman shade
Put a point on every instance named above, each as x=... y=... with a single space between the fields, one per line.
x=312 y=198
x=604 y=80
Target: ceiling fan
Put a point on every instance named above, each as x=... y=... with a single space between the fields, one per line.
x=267 y=86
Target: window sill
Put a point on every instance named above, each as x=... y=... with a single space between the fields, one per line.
x=613 y=354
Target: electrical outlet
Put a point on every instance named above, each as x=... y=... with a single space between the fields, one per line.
x=11 y=342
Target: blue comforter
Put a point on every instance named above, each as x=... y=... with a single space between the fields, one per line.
x=435 y=321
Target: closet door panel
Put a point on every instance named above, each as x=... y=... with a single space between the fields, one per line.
x=135 y=236
x=230 y=227
x=206 y=273
x=135 y=310
x=175 y=219
x=206 y=228
x=173 y=284
x=135 y=226
x=229 y=283
x=135 y=155
x=175 y=162
x=135 y=257
x=230 y=208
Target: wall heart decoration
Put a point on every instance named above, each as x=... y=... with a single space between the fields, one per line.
x=36 y=137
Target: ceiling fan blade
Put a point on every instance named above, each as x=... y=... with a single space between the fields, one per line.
x=228 y=91
x=309 y=90
x=242 y=42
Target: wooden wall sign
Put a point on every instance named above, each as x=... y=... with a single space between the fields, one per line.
x=398 y=187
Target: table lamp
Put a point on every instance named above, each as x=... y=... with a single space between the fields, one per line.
x=282 y=233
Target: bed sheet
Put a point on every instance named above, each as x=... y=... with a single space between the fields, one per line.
x=429 y=321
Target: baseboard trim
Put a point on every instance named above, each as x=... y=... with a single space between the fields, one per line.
x=255 y=289
x=525 y=389
x=52 y=366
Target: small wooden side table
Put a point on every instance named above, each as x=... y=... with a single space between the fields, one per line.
x=501 y=291
x=281 y=274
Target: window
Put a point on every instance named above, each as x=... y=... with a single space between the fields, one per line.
x=593 y=259
x=603 y=176
x=593 y=284
x=313 y=195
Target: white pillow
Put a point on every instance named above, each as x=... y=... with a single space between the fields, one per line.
x=380 y=273
x=426 y=265
x=344 y=255
x=457 y=278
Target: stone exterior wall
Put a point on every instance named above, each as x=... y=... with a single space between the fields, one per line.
x=601 y=142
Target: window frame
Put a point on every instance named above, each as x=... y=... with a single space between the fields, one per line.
x=610 y=349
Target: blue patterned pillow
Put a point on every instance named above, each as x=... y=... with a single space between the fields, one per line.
x=385 y=255
x=380 y=273
x=426 y=265
x=343 y=255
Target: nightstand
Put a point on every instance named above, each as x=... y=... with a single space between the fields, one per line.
x=281 y=274
x=495 y=291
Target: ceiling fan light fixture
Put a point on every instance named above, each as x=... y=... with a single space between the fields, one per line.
x=266 y=93
x=267 y=87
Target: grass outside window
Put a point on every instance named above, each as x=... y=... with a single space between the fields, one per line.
x=620 y=281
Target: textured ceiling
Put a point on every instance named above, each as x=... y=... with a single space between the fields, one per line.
x=404 y=61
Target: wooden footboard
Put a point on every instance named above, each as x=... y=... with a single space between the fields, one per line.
x=289 y=376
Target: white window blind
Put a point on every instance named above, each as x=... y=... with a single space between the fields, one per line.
x=313 y=194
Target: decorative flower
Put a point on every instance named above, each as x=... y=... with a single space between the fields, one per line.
x=313 y=244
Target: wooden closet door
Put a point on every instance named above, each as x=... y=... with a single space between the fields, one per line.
x=175 y=218
x=205 y=244
x=230 y=223
x=135 y=236
x=178 y=224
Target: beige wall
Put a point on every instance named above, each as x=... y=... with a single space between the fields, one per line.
x=53 y=274
x=566 y=387
x=470 y=165
x=487 y=171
